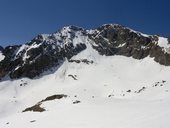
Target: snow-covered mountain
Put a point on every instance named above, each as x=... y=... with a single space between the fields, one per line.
x=108 y=77
x=50 y=50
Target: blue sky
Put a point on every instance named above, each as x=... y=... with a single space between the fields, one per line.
x=21 y=20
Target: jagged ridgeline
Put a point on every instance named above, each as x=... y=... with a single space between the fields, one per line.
x=50 y=50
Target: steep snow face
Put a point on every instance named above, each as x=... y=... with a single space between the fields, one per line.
x=1 y=56
x=112 y=91
x=65 y=36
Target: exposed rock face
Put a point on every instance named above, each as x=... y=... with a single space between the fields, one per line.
x=47 y=51
x=119 y=40
x=8 y=64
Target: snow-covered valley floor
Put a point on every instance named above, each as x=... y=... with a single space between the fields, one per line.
x=112 y=92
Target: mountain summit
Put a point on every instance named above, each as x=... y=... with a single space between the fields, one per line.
x=47 y=51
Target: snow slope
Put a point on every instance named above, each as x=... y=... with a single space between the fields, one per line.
x=1 y=56
x=114 y=91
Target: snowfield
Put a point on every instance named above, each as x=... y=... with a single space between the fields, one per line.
x=110 y=92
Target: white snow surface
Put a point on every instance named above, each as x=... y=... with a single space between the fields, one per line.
x=163 y=42
x=1 y=56
x=102 y=89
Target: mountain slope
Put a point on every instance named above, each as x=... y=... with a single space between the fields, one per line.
x=93 y=81
x=103 y=91
x=50 y=50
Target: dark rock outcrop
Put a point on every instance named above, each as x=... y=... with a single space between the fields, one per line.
x=118 y=40
x=37 y=107
x=53 y=97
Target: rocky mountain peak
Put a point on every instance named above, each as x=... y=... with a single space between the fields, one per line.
x=46 y=51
